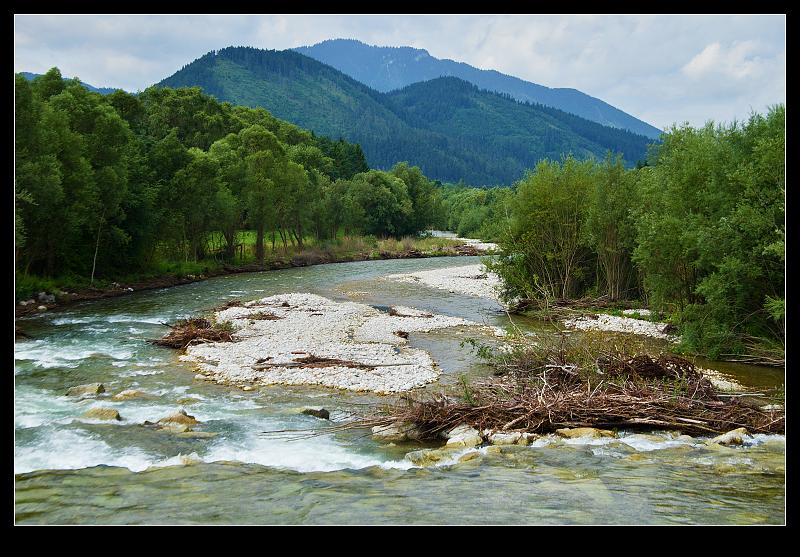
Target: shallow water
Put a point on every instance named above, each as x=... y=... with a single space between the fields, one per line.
x=71 y=469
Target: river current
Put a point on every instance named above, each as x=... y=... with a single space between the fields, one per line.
x=76 y=470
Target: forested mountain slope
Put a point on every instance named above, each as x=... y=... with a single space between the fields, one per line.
x=449 y=128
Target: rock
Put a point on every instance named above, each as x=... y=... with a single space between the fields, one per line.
x=527 y=438
x=505 y=438
x=469 y=456
x=201 y=377
x=317 y=413
x=494 y=449
x=187 y=400
x=463 y=436
x=733 y=437
x=102 y=414
x=42 y=308
x=88 y=389
x=129 y=394
x=396 y=432
x=174 y=428
x=46 y=298
x=180 y=417
x=427 y=457
x=129 y=289
x=572 y=433
x=248 y=388
x=189 y=434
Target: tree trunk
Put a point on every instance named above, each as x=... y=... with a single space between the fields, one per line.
x=97 y=246
x=260 y=244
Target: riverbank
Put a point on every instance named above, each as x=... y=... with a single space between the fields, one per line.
x=384 y=250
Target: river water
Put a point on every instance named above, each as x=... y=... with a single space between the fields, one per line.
x=74 y=470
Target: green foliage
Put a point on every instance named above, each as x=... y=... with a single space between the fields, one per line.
x=116 y=185
x=698 y=233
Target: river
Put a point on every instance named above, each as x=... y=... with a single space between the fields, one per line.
x=74 y=470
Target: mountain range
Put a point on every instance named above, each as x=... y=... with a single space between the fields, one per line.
x=388 y=68
x=452 y=129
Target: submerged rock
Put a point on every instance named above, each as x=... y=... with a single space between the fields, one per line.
x=464 y=436
x=174 y=428
x=317 y=413
x=85 y=390
x=188 y=400
x=575 y=432
x=180 y=417
x=189 y=434
x=428 y=457
x=469 y=456
x=129 y=394
x=733 y=437
x=102 y=414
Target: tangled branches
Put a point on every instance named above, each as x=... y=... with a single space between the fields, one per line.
x=564 y=382
x=192 y=331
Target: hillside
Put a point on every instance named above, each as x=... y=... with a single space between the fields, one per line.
x=389 y=68
x=447 y=127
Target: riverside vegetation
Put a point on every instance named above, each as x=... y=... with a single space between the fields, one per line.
x=127 y=186
x=697 y=234
x=121 y=187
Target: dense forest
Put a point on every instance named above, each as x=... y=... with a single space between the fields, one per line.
x=697 y=233
x=448 y=127
x=108 y=185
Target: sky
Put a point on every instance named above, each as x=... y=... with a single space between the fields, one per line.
x=661 y=69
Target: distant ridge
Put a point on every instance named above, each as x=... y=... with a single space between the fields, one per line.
x=388 y=68
x=448 y=127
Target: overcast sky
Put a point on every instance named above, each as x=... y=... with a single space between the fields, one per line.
x=661 y=69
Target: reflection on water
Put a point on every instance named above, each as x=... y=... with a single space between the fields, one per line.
x=74 y=469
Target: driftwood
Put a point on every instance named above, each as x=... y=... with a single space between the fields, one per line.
x=394 y=313
x=190 y=331
x=311 y=361
x=544 y=388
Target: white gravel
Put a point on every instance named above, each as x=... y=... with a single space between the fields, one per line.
x=621 y=325
x=473 y=280
x=478 y=244
x=314 y=325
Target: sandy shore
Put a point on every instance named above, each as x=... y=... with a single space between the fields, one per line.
x=371 y=355
x=472 y=280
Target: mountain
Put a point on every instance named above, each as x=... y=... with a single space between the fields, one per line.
x=446 y=126
x=388 y=68
x=102 y=90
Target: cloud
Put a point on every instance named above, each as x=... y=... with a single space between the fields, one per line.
x=662 y=69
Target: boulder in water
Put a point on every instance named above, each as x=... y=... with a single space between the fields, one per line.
x=317 y=413
x=180 y=417
x=102 y=414
x=464 y=436
x=86 y=390
x=396 y=432
x=733 y=437
x=129 y=394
